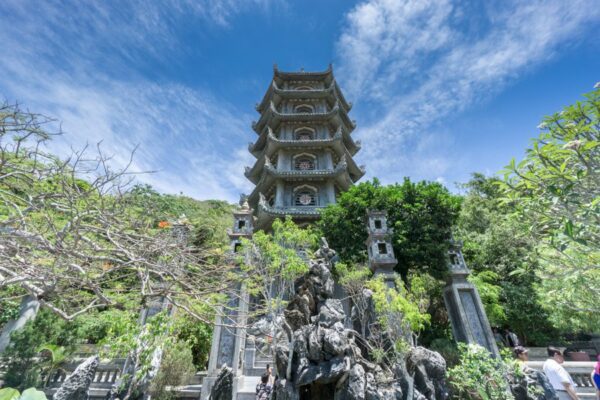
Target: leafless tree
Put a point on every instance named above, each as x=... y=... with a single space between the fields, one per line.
x=70 y=234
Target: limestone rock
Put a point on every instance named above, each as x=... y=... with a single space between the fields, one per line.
x=354 y=386
x=76 y=386
x=331 y=312
x=223 y=387
x=429 y=371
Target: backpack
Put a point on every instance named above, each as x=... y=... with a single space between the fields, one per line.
x=263 y=391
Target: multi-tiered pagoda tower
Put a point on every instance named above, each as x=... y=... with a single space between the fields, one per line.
x=304 y=149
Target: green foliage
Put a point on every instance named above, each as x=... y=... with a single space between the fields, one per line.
x=397 y=309
x=28 y=394
x=46 y=330
x=421 y=215
x=555 y=190
x=501 y=248
x=197 y=335
x=275 y=260
x=490 y=293
x=478 y=376
x=176 y=369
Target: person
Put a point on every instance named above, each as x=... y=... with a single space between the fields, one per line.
x=533 y=377
x=498 y=337
x=511 y=338
x=596 y=377
x=271 y=377
x=559 y=378
x=263 y=389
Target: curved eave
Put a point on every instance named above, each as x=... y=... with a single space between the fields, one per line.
x=281 y=76
x=253 y=174
x=340 y=174
x=356 y=172
x=275 y=94
x=273 y=117
x=270 y=144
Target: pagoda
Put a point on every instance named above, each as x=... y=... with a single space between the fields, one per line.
x=304 y=151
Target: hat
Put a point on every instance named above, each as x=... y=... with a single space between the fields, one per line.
x=518 y=350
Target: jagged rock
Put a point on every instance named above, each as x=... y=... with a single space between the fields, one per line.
x=223 y=387
x=285 y=390
x=354 y=386
x=324 y=372
x=331 y=312
x=333 y=342
x=76 y=386
x=429 y=371
x=314 y=345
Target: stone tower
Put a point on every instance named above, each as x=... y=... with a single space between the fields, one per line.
x=379 y=246
x=304 y=151
x=465 y=309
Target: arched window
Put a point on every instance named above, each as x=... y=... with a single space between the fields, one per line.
x=305 y=134
x=303 y=109
x=305 y=198
x=304 y=163
x=304 y=88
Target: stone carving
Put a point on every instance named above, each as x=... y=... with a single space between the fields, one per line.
x=326 y=360
x=223 y=387
x=76 y=386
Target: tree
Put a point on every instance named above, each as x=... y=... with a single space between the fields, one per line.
x=271 y=264
x=556 y=191
x=421 y=214
x=502 y=255
x=75 y=237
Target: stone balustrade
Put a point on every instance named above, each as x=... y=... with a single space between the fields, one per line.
x=579 y=371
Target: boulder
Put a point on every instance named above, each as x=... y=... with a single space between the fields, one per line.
x=354 y=386
x=76 y=386
x=428 y=369
x=223 y=387
x=331 y=312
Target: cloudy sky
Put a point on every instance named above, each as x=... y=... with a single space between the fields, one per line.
x=440 y=88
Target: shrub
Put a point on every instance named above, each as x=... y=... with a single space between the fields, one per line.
x=176 y=369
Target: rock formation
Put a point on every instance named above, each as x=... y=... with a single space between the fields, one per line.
x=76 y=386
x=327 y=360
x=223 y=387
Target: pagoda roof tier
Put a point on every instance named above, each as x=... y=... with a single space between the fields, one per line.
x=339 y=174
x=254 y=174
x=273 y=118
x=268 y=143
x=280 y=76
x=266 y=213
x=276 y=94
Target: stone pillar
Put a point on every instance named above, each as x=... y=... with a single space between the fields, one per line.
x=279 y=193
x=229 y=335
x=465 y=309
x=27 y=311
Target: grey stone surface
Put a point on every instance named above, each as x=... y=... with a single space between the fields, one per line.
x=223 y=387
x=76 y=386
x=428 y=369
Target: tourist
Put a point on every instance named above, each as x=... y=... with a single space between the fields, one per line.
x=263 y=389
x=596 y=377
x=558 y=376
x=271 y=377
x=512 y=340
x=533 y=377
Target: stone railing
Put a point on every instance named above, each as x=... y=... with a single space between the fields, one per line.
x=579 y=371
x=105 y=377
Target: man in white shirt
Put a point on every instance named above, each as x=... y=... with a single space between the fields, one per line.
x=558 y=376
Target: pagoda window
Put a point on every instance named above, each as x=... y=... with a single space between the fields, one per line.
x=304 y=109
x=304 y=162
x=241 y=224
x=378 y=224
x=305 y=196
x=304 y=134
x=382 y=247
x=304 y=88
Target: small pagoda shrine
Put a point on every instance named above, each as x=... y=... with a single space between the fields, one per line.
x=304 y=151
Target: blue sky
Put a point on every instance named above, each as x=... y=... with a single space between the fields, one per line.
x=440 y=88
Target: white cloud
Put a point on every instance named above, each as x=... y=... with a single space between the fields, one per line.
x=79 y=65
x=413 y=63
